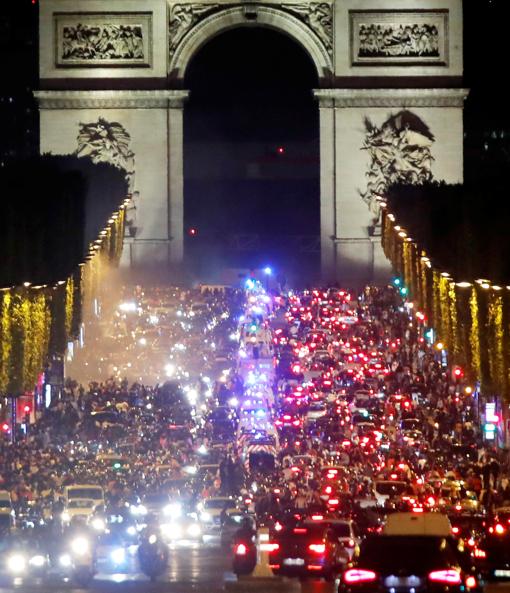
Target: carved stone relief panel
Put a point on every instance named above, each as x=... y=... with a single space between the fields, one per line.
x=399 y=38
x=103 y=40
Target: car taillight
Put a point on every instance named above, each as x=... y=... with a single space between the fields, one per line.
x=358 y=575
x=349 y=544
x=269 y=547
x=449 y=577
x=317 y=548
x=471 y=582
x=333 y=502
x=317 y=517
x=241 y=550
x=296 y=423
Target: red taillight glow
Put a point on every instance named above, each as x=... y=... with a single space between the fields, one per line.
x=471 y=582
x=499 y=529
x=358 y=575
x=333 y=502
x=317 y=548
x=455 y=530
x=477 y=553
x=241 y=550
x=317 y=517
x=269 y=547
x=450 y=577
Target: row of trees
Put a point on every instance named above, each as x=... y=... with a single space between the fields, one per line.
x=53 y=207
x=446 y=274
x=49 y=283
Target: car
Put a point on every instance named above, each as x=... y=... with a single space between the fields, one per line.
x=306 y=550
x=493 y=554
x=416 y=552
x=389 y=563
x=388 y=489
x=210 y=513
x=316 y=411
x=345 y=531
x=156 y=502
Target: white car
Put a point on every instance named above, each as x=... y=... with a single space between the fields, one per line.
x=315 y=412
x=79 y=508
x=210 y=509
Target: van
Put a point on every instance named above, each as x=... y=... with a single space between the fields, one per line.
x=81 y=501
x=418 y=524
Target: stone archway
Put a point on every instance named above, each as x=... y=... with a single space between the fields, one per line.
x=83 y=81
x=311 y=35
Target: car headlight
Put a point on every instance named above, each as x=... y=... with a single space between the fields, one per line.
x=16 y=563
x=138 y=509
x=66 y=516
x=98 y=524
x=194 y=530
x=131 y=530
x=118 y=556
x=153 y=539
x=80 y=546
x=173 y=510
x=171 y=531
x=65 y=560
x=38 y=561
x=205 y=517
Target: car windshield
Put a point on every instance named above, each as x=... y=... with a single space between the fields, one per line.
x=93 y=493
x=390 y=488
x=219 y=503
x=405 y=553
x=156 y=499
x=341 y=529
x=81 y=504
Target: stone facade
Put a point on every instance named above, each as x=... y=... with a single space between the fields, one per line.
x=375 y=60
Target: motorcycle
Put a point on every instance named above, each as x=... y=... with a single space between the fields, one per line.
x=245 y=556
x=78 y=560
x=152 y=555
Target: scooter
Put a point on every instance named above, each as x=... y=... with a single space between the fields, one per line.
x=245 y=557
x=152 y=556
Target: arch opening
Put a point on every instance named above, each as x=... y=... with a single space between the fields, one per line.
x=251 y=155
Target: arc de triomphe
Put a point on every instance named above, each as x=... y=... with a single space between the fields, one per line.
x=390 y=99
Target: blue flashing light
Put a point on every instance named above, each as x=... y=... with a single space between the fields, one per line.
x=268 y=271
x=250 y=284
x=253 y=328
x=397 y=281
x=260 y=413
x=403 y=291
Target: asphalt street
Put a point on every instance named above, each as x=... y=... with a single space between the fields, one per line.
x=193 y=568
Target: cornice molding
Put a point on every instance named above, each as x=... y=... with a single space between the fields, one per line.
x=402 y=98
x=111 y=99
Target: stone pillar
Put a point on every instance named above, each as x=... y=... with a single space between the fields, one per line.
x=176 y=176
x=327 y=184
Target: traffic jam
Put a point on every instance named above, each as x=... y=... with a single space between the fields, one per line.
x=312 y=435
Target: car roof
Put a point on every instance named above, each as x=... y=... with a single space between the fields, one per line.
x=417 y=524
